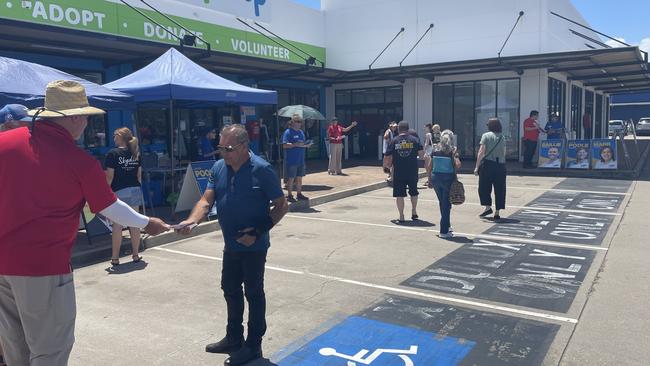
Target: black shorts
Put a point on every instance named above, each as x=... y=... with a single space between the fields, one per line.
x=399 y=186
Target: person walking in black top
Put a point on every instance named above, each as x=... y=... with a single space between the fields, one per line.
x=491 y=169
x=124 y=174
x=402 y=154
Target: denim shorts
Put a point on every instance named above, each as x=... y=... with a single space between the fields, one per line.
x=295 y=171
x=132 y=196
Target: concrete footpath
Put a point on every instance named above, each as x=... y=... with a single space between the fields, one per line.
x=614 y=327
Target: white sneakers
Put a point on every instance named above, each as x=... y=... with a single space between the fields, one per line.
x=450 y=234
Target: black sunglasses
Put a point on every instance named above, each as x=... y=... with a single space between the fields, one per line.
x=228 y=148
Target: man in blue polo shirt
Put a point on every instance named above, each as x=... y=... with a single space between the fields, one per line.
x=293 y=142
x=249 y=202
x=554 y=128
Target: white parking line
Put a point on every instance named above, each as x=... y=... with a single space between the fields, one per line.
x=468 y=235
x=509 y=206
x=559 y=190
x=396 y=290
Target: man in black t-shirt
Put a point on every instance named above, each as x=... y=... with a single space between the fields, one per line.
x=402 y=153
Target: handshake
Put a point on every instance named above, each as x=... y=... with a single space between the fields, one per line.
x=157 y=226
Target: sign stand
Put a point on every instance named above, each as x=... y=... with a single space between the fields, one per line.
x=194 y=185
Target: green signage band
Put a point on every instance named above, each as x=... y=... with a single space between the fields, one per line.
x=117 y=19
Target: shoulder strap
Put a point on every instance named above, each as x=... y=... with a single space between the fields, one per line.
x=494 y=147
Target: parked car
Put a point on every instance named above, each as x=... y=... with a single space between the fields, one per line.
x=643 y=126
x=616 y=125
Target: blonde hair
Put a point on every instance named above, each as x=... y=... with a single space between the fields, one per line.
x=131 y=141
x=447 y=141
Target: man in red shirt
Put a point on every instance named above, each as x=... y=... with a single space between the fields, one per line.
x=46 y=181
x=335 y=135
x=531 y=135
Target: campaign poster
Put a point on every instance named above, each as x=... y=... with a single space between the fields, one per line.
x=550 y=154
x=603 y=154
x=578 y=154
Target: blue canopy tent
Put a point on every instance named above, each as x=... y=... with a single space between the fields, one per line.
x=175 y=79
x=24 y=83
x=173 y=76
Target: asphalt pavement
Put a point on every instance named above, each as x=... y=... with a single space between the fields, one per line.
x=561 y=279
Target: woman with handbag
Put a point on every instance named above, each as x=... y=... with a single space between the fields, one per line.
x=491 y=169
x=445 y=162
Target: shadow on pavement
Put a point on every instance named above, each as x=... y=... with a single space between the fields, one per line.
x=315 y=187
x=502 y=220
x=127 y=268
x=413 y=223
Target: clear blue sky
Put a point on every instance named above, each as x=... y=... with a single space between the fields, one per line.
x=628 y=19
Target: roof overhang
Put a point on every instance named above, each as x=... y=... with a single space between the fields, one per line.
x=610 y=70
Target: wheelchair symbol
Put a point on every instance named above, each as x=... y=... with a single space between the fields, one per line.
x=361 y=359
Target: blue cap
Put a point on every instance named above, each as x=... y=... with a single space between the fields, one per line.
x=16 y=112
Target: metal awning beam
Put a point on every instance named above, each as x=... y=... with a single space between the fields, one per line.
x=595 y=66
x=625 y=85
x=618 y=82
x=608 y=75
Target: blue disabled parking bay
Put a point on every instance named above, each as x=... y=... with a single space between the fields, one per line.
x=360 y=341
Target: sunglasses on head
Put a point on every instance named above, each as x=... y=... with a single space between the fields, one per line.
x=228 y=148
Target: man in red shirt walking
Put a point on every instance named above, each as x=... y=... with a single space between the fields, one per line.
x=46 y=181
x=531 y=135
x=335 y=134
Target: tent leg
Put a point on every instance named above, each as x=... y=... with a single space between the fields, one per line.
x=171 y=142
x=278 y=140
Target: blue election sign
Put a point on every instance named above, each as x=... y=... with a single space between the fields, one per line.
x=201 y=170
x=360 y=341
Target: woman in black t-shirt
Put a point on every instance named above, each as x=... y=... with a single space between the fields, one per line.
x=124 y=174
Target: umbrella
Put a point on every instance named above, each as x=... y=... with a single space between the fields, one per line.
x=301 y=110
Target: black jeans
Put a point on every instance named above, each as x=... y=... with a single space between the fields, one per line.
x=492 y=174
x=529 y=152
x=246 y=268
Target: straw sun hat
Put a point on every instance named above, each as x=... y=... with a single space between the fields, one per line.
x=65 y=98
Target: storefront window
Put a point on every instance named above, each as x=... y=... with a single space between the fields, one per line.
x=598 y=121
x=343 y=97
x=372 y=109
x=486 y=108
x=589 y=113
x=508 y=113
x=394 y=94
x=443 y=105
x=464 y=117
x=465 y=108
x=576 y=109
x=556 y=97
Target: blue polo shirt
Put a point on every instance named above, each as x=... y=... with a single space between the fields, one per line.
x=557 y=125
x=205 y=147
x=296 y=155
x=243 y=199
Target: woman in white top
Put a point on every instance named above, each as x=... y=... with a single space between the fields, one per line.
x=428 y=150
x=389 y=134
